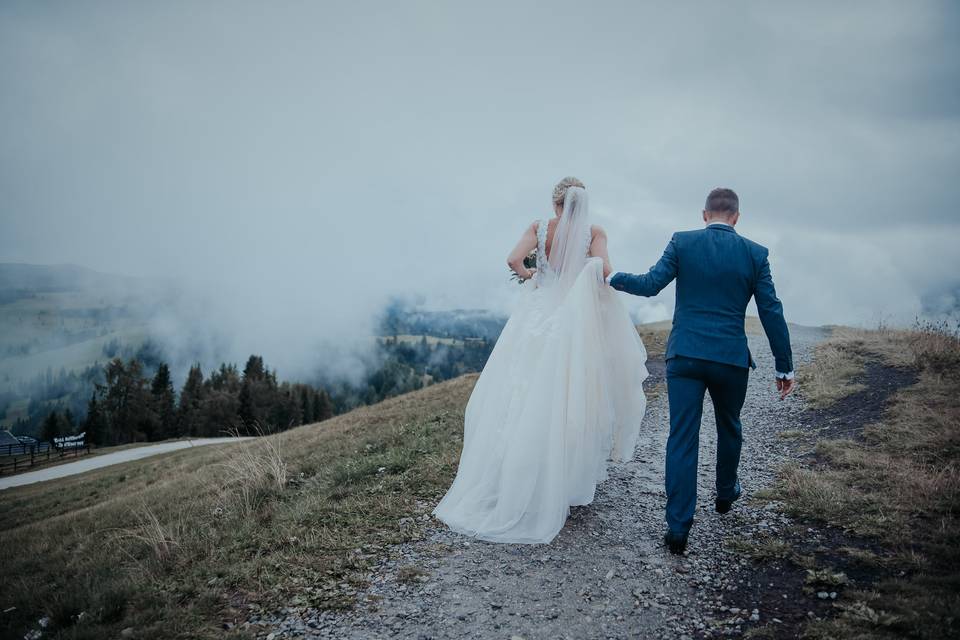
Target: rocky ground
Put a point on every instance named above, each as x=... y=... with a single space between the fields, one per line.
x=607 y=574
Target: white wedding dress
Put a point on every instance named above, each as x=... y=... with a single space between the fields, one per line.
x=560 y=395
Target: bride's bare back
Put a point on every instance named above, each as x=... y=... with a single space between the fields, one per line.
x=528 y=242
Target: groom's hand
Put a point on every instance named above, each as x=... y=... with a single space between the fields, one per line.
x=785 y=387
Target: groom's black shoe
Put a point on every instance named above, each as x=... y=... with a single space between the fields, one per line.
x=676 y=544
x=723 y=505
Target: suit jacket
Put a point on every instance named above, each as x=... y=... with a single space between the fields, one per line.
x=717 y=272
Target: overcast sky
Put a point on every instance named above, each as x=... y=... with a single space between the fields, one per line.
x=304 y=161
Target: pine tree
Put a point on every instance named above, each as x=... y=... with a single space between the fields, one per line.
x=94 y=425
x=69 y=422
x=247 y=411
x=164 y=403
x=127 y=402
x=225 y=379
x=285 y=408
x=306 y=406
x=221 y=401
x=262 y=400
x=219 y=412
x=254 y=370
x=51 y=428
x=322 y=406
x=189 y=421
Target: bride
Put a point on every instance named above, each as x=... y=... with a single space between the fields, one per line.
x=561 y=393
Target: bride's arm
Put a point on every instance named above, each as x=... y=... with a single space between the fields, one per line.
x=598 y=249
x=528 y=242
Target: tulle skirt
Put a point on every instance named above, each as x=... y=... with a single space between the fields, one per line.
x=559 y=397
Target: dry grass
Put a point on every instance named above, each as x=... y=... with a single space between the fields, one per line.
x=900 y=486
x=254 y=473
x=174 y=544
x=765 y=549
x=831 y=375
x=158 y=538
x=840 y=359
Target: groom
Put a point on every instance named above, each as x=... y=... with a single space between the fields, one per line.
x=717 y=272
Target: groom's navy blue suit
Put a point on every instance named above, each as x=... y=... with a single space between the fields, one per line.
x=717 y=272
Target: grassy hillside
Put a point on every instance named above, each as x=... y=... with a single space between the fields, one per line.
x=177 y=545
x=891 y=480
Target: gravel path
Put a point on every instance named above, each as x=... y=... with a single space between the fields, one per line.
x=106 y=460
x=607 y=574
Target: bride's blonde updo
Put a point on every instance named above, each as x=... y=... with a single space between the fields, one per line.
x=560 y=191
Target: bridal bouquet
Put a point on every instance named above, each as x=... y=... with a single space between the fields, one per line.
x=530 y=262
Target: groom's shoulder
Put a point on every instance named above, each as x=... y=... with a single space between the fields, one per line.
x=681 y=236
x=687 y=240
x=758 y=252
x=694 y=236
x=755 y=247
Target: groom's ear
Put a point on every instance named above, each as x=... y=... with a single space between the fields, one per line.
x=704 y=215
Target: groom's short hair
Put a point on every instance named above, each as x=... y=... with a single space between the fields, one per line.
x=722 y=200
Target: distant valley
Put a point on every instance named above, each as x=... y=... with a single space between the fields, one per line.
x=61 y=324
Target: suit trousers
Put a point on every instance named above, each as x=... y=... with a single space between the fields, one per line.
x=687 y=381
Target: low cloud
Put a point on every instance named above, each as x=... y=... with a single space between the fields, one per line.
x=299 y=167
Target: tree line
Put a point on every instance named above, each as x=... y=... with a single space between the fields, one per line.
x=130 y=406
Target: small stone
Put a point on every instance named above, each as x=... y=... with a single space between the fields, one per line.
x=610 y=574
x=128 y=633
x=823 y=595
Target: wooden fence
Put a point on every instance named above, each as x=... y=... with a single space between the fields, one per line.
x=15 y=458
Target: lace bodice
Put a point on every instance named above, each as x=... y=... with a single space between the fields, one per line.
x=542 y=264
x=544 y=269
